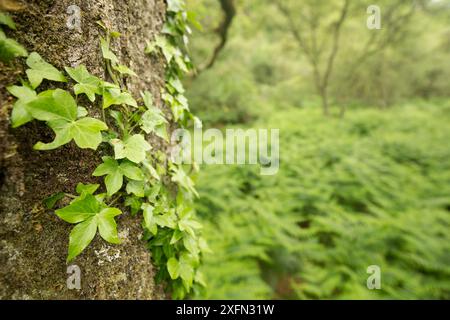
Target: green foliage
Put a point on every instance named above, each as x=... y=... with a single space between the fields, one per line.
x=9 y=48
x=87 y=83
x=114 y=173
x=40 y=70
x=133 y=175
x=89 y=214
x=370 y=189
x=59 y=110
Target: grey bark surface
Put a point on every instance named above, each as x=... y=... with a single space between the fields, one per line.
x=33 y=240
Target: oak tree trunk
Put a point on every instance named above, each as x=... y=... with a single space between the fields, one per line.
x=33 y=240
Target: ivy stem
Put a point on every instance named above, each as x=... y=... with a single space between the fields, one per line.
x=70 y=196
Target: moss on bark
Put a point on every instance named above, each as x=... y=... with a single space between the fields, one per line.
x=33 y=241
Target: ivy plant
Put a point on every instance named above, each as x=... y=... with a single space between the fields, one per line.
x=135 y=175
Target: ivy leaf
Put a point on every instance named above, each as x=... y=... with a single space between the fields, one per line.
x=81 y=236
x=85 y=189
x=114 y=96
x=20 y=115
x=151 y=119
x=147 y=97
x=107 y=53
x=89 y=213
x=181 y=268
x=124 y=70
x=132 y=148
x=50 y=202
x=186 y=269
x=87 y=83
x=149 y=222
x=175 y=5
x=180 y=177
x=107 y=226
x=87 y=132
x=134 y=203
x=161 y=131
x=59 y=109
x=53 y=105
x=115 y=172
x=40 y=70
x=81 y=112
x=173 y=267
x=7 y=21
x=136 y=188
x=80 y=210
x=10 y=49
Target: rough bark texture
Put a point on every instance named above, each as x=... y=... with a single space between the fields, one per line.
x=33 y=241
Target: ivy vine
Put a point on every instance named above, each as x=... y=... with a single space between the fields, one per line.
x=134 y=176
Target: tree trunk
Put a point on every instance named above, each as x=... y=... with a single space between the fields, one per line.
x=33 y=241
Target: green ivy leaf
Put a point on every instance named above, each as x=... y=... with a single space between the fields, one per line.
x=132 y=148
x=112 y=95
x=114 y=173
x=136 y=188
x=89 y=213
x=81 y=236
x=180 y=177
x=151 y=119
x=149 y=222
x=175 y=5
x=134 y=203
x=20 y=115
x=85 y=189
x=7 y=20
x=53 y=105
x=79 y=210
x=107 y=53
x=181 y=268
x=40 y=70
x=10 y=49
x=124 y=70
x=147 y=97
x=87 y=83
x=59 y=109
x=107 y=226
x=50 y=202
x=173 y=267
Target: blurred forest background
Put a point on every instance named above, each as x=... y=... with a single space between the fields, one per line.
x=364 y=147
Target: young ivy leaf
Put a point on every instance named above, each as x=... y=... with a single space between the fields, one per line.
x=147 y=97
x=124 y=70
x=180 y=177
x=40 y=70
x=107 y=53
x=151 y=119
x=7 y=20
x=59 y=109
x=50 y=202
x=149 y=222
x=132 y=148
x=136 y=188
x=90 y=214
x=175 y=5
x=20 y=115
x=10 y=49
x=87 y=83
x=114 y=173
x=85 y=189
x=181 y=268
x=112 y=95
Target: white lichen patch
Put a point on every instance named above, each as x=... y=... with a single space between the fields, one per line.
x=107 y=254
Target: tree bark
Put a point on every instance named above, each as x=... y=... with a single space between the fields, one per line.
x=33 y=241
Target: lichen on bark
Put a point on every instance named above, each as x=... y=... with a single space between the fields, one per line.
x=33 y=241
